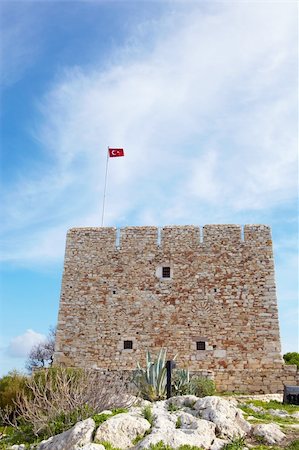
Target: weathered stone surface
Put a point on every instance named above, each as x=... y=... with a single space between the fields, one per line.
x=228 y=419
x=270 y=432
x=91 y=446
x=178 y=428
x=182 y=400
x=221 y=277
x=218 y=444
x=79 y=435
x=122 y=429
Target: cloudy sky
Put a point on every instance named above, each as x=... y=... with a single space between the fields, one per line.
x=203 y=97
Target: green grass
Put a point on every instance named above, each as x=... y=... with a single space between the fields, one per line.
x=292 y=446
x=274 y=404
x=148 y=414
x=101 y=418
x=23 y=435
x=178 y=423
x=266 y=417
x=172 y=407
x=137 y=439
x=236 y=444
x=162 y=446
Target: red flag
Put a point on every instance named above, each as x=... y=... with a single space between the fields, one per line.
x=114 y=152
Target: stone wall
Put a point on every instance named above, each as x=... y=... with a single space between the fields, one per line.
x=220 y=295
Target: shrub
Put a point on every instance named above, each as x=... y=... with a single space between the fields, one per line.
x=58 y=398
x=202 y=386
x=291 y=358
x=11 y=385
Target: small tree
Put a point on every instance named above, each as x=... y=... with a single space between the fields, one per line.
x=291 y=358
x=41 y=355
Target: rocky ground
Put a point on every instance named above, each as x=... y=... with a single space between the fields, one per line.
x=211 y=423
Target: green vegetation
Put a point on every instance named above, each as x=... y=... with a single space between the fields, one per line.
x=162 y=446
x=236 y=444
x=292 y=446
x=151 y=380
x=274 y=404
x=266 y=417
x=52 y=401
x=172 y=407
x=100 y=418
x=138 y=438
x=11 y=386
x=199 y=386
x=291 y=358
x=178 y=423
x=181 y=382
x=148 y=414
x=202 y=386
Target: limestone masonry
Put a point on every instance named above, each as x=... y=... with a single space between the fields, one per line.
x=207 y=294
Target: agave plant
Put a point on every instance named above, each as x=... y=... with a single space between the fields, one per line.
x=181 y=382
x=151 y=380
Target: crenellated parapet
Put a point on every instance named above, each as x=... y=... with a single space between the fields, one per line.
x=185 y=237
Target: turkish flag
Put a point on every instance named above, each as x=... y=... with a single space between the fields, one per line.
x=114 y=152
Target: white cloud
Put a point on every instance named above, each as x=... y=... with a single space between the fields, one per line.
x=20 y=346
x=207 y=116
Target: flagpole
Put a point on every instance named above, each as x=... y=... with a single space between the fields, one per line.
x=105 y=185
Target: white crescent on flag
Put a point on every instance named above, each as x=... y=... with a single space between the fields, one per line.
x=115 y=152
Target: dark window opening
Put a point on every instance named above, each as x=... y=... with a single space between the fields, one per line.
x=200 y=345
x=128 y=345
x=215 y=289
x=165 y=272
x=113 y=292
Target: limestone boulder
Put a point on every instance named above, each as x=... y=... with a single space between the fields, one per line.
x=178 y=428
x=182 y=401
x=18 y=447
x=121 y=430
x=228 y=419
x=218 y=444
x=78 y=436
x=91 y=446
x=270 y=432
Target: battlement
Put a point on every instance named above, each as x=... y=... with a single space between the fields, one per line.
x=184 y=237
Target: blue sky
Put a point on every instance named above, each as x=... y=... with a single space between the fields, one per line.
x=203 y=97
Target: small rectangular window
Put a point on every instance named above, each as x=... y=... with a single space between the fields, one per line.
x=128 y=345
x=165 y=272
x=200 y=345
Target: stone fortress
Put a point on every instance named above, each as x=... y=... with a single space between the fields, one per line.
x=207 y=294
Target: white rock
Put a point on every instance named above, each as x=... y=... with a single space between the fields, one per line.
x=202 y=436
x=77 y=436
x=218 y=444
x=17 y=447
x=270 y=432
x=122 y=429
x=91 y=447
x=106 y=411
x=278 y=412
x=295 y=415
x=192 y=431
x=228 y=419
x=182 y=400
